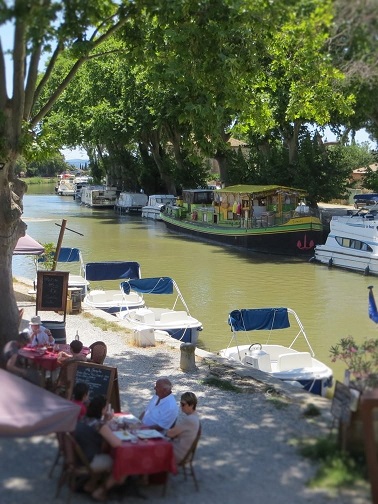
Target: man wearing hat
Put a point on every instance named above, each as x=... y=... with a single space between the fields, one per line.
x=39 y=335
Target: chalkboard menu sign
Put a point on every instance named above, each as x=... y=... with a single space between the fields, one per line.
x=52 y=289
x=341 y=401
x=101 y=380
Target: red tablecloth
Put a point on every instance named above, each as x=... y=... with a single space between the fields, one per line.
x=143 y=457
x=45 y=359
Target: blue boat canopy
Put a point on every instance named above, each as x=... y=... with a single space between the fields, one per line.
x=366 y=197
x=259 y=319
x=112 y=270
x=66 y=254
x=162 y=285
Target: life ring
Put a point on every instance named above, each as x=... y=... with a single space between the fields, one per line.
x=194 y=215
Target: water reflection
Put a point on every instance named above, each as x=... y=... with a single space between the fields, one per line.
x=214 y=280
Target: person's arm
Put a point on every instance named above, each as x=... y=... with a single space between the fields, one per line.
x=175 y=431
x=12 y=367
x=109 y=437
x=49 y=336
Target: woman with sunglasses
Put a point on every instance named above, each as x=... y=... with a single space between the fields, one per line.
x=186 y=429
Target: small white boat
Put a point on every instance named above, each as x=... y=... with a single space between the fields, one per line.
x=79 y=184
x=352 y=242
x=130 y=202
x=99 y=196
x=179 y=324
x=69 y=257
x=157 y=202
x=111 y=300
x=282 y=362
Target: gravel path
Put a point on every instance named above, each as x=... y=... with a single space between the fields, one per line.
x=247 y=452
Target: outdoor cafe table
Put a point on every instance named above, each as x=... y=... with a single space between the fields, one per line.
x=150 y=456
x=44 y=359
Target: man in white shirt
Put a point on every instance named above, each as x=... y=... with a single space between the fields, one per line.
x=162 y=410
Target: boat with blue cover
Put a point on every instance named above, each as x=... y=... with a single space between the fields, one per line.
x=176 y=321
x=111 y=300
x=296 y=366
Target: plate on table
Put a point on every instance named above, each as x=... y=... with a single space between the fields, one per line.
x=125 y=436
x=149 y=434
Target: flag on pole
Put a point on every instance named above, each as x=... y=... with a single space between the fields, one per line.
x=373 y=312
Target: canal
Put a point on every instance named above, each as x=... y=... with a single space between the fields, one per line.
x=214 y=280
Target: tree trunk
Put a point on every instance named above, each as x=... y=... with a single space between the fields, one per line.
x=157 y=155
x=11 y=229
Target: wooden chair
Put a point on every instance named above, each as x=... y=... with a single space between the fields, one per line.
x=187 y=462
x=59 y=453
x=98 y=352
x=65 y=378
x=75 y=466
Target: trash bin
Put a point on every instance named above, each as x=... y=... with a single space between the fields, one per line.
x=58 y=330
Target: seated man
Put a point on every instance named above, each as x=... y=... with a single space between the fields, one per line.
x=39 y=335
x=162 y=410
x=13 y=363
x=76 y=347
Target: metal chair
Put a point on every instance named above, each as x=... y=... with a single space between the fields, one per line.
x=98 y=352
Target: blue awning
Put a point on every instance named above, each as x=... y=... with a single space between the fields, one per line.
x=66 y=254
x=112 y=270
x=162 y=285
x=259 y=319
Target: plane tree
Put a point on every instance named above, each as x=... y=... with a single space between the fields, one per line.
x=40 y=26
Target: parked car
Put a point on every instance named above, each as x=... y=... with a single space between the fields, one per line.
x=362 y=200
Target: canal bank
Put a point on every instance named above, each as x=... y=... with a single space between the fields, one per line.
x=248 y=446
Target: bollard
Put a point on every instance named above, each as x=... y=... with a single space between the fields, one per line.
x=187 y=360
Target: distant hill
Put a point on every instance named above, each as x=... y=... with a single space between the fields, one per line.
x=78 y=162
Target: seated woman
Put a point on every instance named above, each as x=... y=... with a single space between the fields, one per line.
x=94 y=436
x=186 y=429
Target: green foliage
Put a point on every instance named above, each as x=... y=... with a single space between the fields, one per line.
x=336 y=468
x=47 y=258
x=221 y=384
x=361 y=360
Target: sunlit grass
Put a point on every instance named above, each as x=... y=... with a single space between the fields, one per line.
x=105 y=325
x=221 y=384
x=337 y=468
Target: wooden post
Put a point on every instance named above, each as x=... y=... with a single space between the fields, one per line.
x=369 y=401
x=59 y=244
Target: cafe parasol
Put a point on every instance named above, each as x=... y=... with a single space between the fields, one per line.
x=26 y=245
x=29 y=410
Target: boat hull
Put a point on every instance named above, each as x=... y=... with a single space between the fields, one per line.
x=111 y=301
x=352 y=244
x=297 y=237
x=304 y=371
x=178 y=324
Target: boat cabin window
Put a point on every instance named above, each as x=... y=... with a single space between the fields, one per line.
x=353 y=244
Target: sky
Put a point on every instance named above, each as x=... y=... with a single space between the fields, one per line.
x=6 y=36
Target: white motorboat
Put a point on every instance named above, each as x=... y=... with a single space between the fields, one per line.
x=130 y=202
x=156 y=202
x=79 y=184
x=69 y=257
x=352 y=242
x=283 y=362
x=111 y=300
x=99 y=196
x=178 y=323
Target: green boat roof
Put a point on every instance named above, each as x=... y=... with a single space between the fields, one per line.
x=259 y=189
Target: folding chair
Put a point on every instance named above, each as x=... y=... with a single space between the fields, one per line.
x=59 y=453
